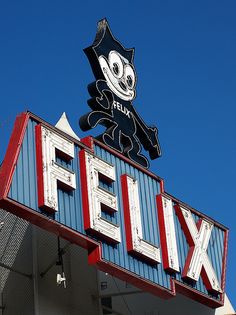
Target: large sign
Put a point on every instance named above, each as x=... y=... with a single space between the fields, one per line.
x=111 y=99
x=101 y=200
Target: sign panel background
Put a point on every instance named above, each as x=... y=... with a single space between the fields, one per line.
x=19 y=195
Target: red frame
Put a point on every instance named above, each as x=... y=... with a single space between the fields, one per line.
x=94 y=248
x=128 y=228
x=164 y=247
x=125 y=197
x=191 y=248
x=85 y=200
x=84 y=190
x=39 y=165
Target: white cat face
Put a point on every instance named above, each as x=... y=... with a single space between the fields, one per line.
x=119 y=74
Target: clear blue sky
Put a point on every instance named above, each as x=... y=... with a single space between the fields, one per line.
x=185 y=57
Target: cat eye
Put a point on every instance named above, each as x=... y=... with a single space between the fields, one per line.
x=116 y=68
x=116 y=64
x=130 y=77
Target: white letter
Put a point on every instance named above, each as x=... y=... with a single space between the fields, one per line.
x=167 y=234
x=95 y=199
x=133 y=225
x=49 y=172
x=197 y=261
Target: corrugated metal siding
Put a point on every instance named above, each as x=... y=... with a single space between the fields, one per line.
x=24 y=190
x=148 y=189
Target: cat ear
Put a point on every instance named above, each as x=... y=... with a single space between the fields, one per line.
x=105 y=42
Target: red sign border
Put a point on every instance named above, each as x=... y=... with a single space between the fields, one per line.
x=94 y=248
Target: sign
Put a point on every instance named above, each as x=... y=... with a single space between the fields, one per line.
x=111 y=99
x=119 y=211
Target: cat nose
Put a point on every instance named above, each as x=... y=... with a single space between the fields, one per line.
x=122 y=84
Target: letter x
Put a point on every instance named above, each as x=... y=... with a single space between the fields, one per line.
x=197 y=261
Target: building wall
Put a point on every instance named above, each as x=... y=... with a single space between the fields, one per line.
x=81 y=281
x=126 y=299
x=29 y=287
x=29 y=278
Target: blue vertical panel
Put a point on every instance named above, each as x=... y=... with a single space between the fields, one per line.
x=24 y=183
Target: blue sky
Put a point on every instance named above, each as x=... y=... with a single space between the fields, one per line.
x=186 y=65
